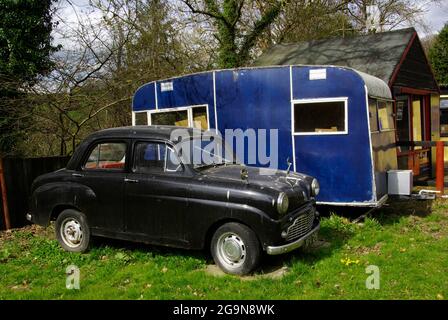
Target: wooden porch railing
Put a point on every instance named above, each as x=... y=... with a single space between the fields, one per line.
x=440 y=169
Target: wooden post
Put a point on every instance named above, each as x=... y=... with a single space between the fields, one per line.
x=4 y=196
x=440 y=164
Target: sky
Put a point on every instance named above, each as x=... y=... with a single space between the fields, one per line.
x=435 y=17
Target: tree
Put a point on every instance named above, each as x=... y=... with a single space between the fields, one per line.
x=155 y=50
x=102 y=63
x=304 y=20
x=236 y=35
x=438 y=55
x=75 y=93
x=383 y=15
x=25 y=49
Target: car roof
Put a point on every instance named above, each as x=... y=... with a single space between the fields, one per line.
x=143 y=131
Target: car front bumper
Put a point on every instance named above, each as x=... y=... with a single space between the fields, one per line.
x=275 y=250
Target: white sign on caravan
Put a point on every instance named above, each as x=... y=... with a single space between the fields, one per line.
x=318 y=74
x=166 y=86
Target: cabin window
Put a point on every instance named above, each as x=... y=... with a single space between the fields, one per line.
x=444 y=117
x=373 y=115
x=323 y=116
x=141 y=119
x=107 y=156
x=385 y=117
x=170 y=118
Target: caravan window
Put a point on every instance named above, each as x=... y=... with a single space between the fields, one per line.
x=192 y=116
x=385 y=115
x=171 y=118
x=373 y=115
x=200 y=118
x=141 y=119
x=326 y=116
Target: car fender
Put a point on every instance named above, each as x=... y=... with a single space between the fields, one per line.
x=50 y=196
x=220 y=212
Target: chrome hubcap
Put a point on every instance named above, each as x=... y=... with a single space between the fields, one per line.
x=71 y=232
x=231 y=250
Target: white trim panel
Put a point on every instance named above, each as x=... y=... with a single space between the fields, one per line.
x=214 y=103
x=155 y=95
x=292 y=122
x=372 y=161
x=375 y=204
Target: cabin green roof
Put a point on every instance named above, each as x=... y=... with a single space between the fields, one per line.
x=375 y=54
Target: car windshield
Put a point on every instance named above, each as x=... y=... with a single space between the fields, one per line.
x=203 y=151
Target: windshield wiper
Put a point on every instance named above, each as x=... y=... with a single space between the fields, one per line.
x=214 y=155
x=210 y=165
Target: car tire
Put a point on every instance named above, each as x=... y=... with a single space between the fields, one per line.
x=72 y=231
x=235 y=248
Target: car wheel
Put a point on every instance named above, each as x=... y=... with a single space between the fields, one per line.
x=235 y=248
x=72 y=231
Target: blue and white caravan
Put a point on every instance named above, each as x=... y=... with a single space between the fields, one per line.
x=334 y=123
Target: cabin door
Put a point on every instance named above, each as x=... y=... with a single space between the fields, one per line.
x=412 y=119
x=402 y=120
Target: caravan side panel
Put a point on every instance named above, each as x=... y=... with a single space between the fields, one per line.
x=257 y=99
x=185 y=91
x=342 y=161
x=144 y=98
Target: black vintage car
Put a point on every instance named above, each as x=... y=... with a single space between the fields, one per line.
x=133 y=183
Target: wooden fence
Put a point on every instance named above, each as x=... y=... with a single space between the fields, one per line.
x=19 y=174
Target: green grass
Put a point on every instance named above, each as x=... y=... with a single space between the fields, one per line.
x=408 y=243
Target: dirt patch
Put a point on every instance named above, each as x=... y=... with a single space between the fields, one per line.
x=408 y=207
x=320 y=243
x=271 y=272
x=361 y=250
x=34 y=229
x=436 y=229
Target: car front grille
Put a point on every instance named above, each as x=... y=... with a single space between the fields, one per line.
x=301 y=226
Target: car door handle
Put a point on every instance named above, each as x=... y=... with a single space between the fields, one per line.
x=130 y=180
x=77 y=175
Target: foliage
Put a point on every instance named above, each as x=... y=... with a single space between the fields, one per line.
x=438 y=55
x=370 y=16
x=311 y=20
x=25 y=49
x=25 y=38
x=236 y=37
x=102 y=63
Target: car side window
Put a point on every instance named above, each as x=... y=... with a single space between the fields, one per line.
x=107 y=156
x=154 y=157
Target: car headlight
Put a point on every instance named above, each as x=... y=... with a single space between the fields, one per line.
x=282 y=203
x=315 y=188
